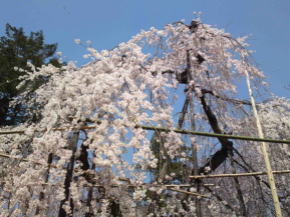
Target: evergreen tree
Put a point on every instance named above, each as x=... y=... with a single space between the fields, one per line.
x=16 y=49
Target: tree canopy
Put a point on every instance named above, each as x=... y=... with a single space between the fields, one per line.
x=90 y=156
x=16 y=50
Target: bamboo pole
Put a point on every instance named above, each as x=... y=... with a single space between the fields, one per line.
x=238 y=174
x=164 y=129
x=17 y=158
x=187 y=192
x=23 y=159
x=168 y=187
x=180 y=185
x=264 y=151
x=119 y=185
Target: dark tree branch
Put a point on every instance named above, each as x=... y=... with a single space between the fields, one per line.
x=220 y=156
x=183 y=112
x=237 y=184
x=248 y=167
x=234 y=101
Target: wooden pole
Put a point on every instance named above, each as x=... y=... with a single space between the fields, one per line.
x=187 y=192
x=164 y=129
x=238 y=174
x=264 y=151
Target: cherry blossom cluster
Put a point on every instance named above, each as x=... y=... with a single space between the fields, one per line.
x=136 y=83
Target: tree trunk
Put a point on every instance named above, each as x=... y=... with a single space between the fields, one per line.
x=41 y=195
x=195 y=160
x=68 y=178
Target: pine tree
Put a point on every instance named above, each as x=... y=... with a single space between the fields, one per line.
x=16 y=50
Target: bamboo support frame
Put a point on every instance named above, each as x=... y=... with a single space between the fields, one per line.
x=180 y=185
x=261 y=139
x=164 y=129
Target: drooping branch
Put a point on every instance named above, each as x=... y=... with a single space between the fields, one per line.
x=234 y=101
x=248 y=168
x=220 y=199
x=240 y=196
x=182 y=78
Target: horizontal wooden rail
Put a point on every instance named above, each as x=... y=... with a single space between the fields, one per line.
x=164 y=129
x=237 y=174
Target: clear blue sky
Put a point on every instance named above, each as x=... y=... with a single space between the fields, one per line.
x=109 y=22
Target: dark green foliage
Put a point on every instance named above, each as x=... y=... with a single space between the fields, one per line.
x=16 y=49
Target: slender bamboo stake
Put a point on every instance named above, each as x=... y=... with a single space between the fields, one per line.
x=264 y=151
x=18 y=158
x=164 y=129
x=187 y=192
x=119 y=185
x=12 y=132
x=238 y=174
